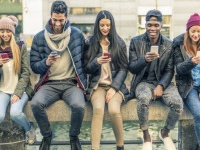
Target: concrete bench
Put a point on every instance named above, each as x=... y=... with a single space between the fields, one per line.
x=60 y=111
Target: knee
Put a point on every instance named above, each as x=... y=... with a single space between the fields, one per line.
x=15 y=114
x=35 y=104
x=143 y=106
x=143 y=100
x=178 y=107
x=80 y=105
x=113 y=111
x=98 y=110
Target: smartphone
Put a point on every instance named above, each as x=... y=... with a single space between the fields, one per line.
x=198 y=53
x=4 y=55
x=106 y=54
x=55 y=53
x=154 y=49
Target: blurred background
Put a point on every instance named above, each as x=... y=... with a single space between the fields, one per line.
x=129 y=15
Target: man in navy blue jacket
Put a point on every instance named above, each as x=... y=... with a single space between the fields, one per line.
x=57 y=50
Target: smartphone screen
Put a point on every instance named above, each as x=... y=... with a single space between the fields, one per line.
x=198 y=53
x=154 y=49
x=4 y=55
x=106 y=54
x=55 y=53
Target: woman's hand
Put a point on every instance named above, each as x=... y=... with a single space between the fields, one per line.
x=195 y=59
x=14 y=99
x=3 y=61
x=110 y=93
x=103 y=60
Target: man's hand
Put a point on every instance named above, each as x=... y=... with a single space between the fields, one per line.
x=110 y=93
x=157 y=92
x=51 y=59
x=150 y=56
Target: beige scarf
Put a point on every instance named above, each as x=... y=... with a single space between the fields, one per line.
x=58 y=42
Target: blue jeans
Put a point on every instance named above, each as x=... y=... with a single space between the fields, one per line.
x=16 y=110
x=50 y=93
x=193 y=104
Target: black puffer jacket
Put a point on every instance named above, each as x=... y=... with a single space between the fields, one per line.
x=40 y=51
x=93 y=69
x=184 y=65
x=137 y=65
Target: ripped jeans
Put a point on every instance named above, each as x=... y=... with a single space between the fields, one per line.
x=170 y=97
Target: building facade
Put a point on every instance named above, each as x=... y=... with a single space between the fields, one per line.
x=129 y=15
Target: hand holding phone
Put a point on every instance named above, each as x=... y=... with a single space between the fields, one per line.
x=4 y=55
x=198 y=53
x=55 y=53
x=106 y=54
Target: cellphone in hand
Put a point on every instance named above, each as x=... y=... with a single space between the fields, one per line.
x=4 y=55
x=106 y=54
x=198 y=53
x=55 y=53
x=154 y=49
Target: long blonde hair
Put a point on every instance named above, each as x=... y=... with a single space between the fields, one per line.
x=16 y=54
x=188 y=45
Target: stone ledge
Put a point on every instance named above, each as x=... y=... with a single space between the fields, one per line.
x=60 y=111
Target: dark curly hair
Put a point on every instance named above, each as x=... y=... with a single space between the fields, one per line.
x=59 y=7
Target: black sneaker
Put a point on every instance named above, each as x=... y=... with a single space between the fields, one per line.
x=45 y=144
x=75 y=143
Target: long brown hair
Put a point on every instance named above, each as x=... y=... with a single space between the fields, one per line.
x=16 y=54
x=188 y=44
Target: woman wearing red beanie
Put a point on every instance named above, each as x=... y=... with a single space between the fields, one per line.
x=15 y=85
x=187 y=60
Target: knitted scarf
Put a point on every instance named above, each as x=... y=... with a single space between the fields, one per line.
x=58 y=42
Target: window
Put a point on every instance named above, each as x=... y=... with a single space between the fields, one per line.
x=84 y=11
x=87 y=29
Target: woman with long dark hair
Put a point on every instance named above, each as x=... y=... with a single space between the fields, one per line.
x=105 y=62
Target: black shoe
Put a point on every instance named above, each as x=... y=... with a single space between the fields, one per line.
x=45 y=144
x=75 y=143
x=120 y=148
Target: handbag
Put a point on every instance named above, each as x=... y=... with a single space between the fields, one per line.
x=44 y=79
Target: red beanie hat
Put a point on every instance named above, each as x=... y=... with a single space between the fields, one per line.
x=194 y=20
x=9 y=23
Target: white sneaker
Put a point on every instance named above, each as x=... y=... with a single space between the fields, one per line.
x=147 y=145
x=168 y=143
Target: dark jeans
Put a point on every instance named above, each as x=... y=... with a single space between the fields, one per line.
x=53 y=91
x=170 y=97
